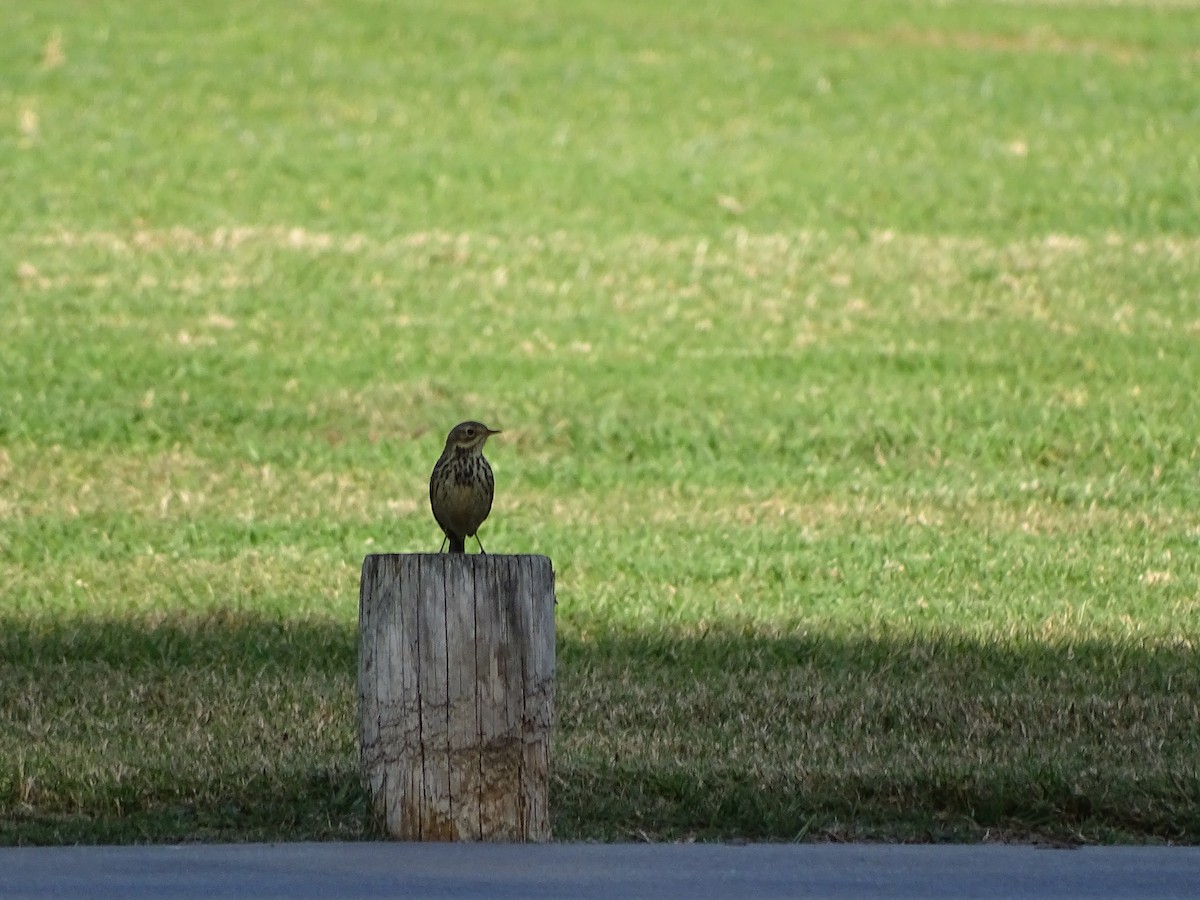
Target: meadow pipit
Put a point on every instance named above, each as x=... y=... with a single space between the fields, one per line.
x=461 y=486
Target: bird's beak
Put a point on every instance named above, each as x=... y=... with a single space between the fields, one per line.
x=492 y=431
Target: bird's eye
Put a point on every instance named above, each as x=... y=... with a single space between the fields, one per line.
x=470 y=432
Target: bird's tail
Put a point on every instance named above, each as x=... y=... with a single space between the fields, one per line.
x=458 y=544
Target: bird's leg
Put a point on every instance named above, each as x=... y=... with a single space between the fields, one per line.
x=480 y=543
x=445 y=538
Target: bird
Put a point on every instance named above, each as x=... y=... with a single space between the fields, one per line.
x=461 y=485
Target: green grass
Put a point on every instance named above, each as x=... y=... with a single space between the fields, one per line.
x=845 y=356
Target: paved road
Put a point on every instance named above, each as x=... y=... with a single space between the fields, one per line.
x=651 y=871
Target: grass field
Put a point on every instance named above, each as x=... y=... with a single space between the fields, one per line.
x=846 y=357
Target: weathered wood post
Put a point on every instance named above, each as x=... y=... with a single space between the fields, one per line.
x=456 y=694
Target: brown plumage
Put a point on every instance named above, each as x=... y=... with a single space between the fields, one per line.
x=461 y=485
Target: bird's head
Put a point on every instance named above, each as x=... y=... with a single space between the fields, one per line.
x=469 y=435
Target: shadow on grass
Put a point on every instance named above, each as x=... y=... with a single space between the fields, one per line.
x=233 y=728
x=224 y=727
x=916 y=738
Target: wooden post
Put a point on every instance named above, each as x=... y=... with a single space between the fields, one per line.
x=456 y=694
